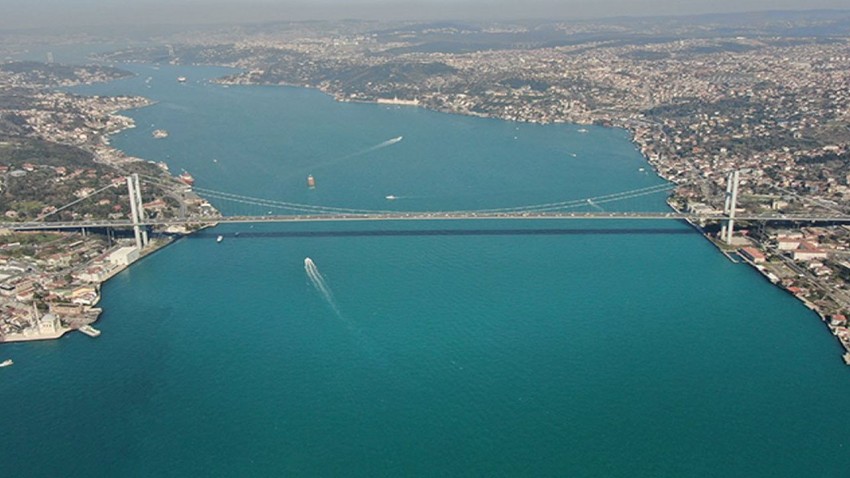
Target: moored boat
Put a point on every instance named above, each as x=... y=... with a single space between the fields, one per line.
x=6 y=363
x=186 y=178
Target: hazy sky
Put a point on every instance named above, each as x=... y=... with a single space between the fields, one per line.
x=27 y=13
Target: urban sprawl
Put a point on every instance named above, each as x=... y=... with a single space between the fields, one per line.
x=701 y=99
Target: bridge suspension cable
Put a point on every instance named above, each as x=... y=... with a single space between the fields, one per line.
x=308 y=208
x=88 y=196
x=554 y=206
x=573 y=203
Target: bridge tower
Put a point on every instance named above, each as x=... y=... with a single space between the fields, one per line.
x=729 y=206
x=137 y=210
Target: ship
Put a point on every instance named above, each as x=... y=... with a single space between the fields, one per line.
x=582 y=130
x=186 y=178
x=6 y=363
x=160 y=133
x=391 y=198
x=181 y=79
x=311 y=181
x=219 y=238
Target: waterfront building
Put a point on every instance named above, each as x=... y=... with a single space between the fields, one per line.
x=753 y=254
x=124 y=256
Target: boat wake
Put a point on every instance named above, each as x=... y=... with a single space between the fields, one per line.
x=320 y=284
x=378 y=146
x=340 y=159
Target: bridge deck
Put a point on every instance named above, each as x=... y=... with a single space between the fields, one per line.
x=422 y=216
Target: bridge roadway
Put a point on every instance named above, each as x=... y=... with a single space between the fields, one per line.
x=420 y=216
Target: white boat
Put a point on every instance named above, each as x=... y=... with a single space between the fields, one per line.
x=90 y=331
x=181 y=79
x=582 y=130
x=6 y=363
x=219 y=238
x=391 y=198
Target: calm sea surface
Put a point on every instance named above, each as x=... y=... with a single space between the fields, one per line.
x=439 y=349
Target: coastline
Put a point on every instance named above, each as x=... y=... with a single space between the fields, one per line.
x=606 y=121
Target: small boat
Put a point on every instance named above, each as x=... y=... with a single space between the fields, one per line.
x=186 y=178
x=181 y=79
x=311 y=181
x=219 y=238
x=6 y=363
x=391 y=197
x=582 y=130
x=90 y=331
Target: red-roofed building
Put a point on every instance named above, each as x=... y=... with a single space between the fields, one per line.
x=808 y=251
x=753 y=254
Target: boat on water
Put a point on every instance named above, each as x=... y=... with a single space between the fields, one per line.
x=6 y=363
x=90 y=331
x=311 y=181
x=160 y=133
x=391 y=197
x=582 y=130
x=219 y=238
x=181 y=79
x=186 y=178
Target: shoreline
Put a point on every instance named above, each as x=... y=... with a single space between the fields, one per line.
x=626 y=124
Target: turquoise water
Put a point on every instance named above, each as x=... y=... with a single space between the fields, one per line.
x=627 y=349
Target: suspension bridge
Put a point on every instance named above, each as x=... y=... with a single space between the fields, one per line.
x=290 y=212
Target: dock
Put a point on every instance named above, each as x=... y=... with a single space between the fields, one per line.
x=90 y=331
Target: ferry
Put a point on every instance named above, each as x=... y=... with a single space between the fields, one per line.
x=6 y=363
x=219 y=238
x=311 y=181
x=186 y=178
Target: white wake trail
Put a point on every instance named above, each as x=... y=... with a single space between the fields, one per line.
x=319 y=283
x=386 y=143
